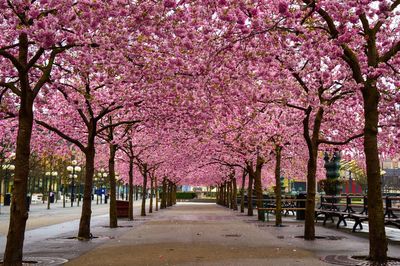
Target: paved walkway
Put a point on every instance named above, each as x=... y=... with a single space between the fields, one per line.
x=190 y=234
x=207 y=234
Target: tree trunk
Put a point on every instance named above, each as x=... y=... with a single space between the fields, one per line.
x=169 y=200
x=174 y=194
x=144 y=191
x=312 y=145
x=151 y=195
x=130 y=210
x=242 y=191
x=84 y=225
x=111 y=170
x=258 y=185
x=234 y=203
x=156 y=191
x=164 y=194
x=18 y=210
x=377 y=236
x=278 y=188
x=250 y=192
x=228 y=194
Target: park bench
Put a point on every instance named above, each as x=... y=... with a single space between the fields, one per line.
x=330 y=208
x=287 y=205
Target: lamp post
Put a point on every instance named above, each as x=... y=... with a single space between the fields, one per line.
x=6 y=167
x=73 y=168
x=50 y=174
x=102 y=176
x=96 y=183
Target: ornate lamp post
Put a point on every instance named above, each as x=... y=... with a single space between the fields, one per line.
x=6 y=168
x=96 y=184
x=102 y=176
x=50 y=174
x=73 y=168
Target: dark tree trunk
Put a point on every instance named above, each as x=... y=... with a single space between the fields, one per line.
x=174 y=194
x=250 y=191
x=312 y=144
x=169 y=200
x=111 y=170
x=278 y=188
x=234 y=203
x=258 y=185
x=156 y=191
x=151 y=195
x=144 y=191
x=84 y=225
x=225 y=193
x=377 y=235
x=18 y=210
x=228 y=194
x=130 y=210
x=164 y=194
x=242 y=191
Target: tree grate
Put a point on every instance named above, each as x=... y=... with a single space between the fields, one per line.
x=357 y=260
x=232 y=235
x=42 y=261
x=326 y=237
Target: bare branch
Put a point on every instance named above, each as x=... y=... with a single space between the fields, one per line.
x=62 y=135
x=324 y=141
x=131 y=122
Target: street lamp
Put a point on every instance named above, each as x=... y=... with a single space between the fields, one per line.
x=73 y=168
x=7 y=167
x=102 y=176
x=50 y=174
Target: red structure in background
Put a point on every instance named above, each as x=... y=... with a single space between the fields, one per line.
x=351 y=187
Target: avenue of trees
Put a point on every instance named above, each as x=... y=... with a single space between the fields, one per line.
x=225 y=93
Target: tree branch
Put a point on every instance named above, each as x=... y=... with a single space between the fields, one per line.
x=13 y=60
x=132 y=122
x=10 y=85
x=391 y=53
x=62 y=135
x=324 y=141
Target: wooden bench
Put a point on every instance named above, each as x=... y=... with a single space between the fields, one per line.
x=332 y=209
x=271 y=209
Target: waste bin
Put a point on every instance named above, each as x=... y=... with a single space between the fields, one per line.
x=7 y=199
x=105 y=199
x=28 y=202
x=92 y=196
x=52 y=198
x=301 y=215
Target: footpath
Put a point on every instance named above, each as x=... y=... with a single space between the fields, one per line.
x=188 y=234
x=208 y=234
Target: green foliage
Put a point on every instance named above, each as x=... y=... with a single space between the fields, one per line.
x=185 y=195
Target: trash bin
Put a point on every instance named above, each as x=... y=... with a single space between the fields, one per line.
x=7 y=199
x=92 y=196
x=28 y=202
x=52 y=198
x=105 y=199
x=301 y=215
